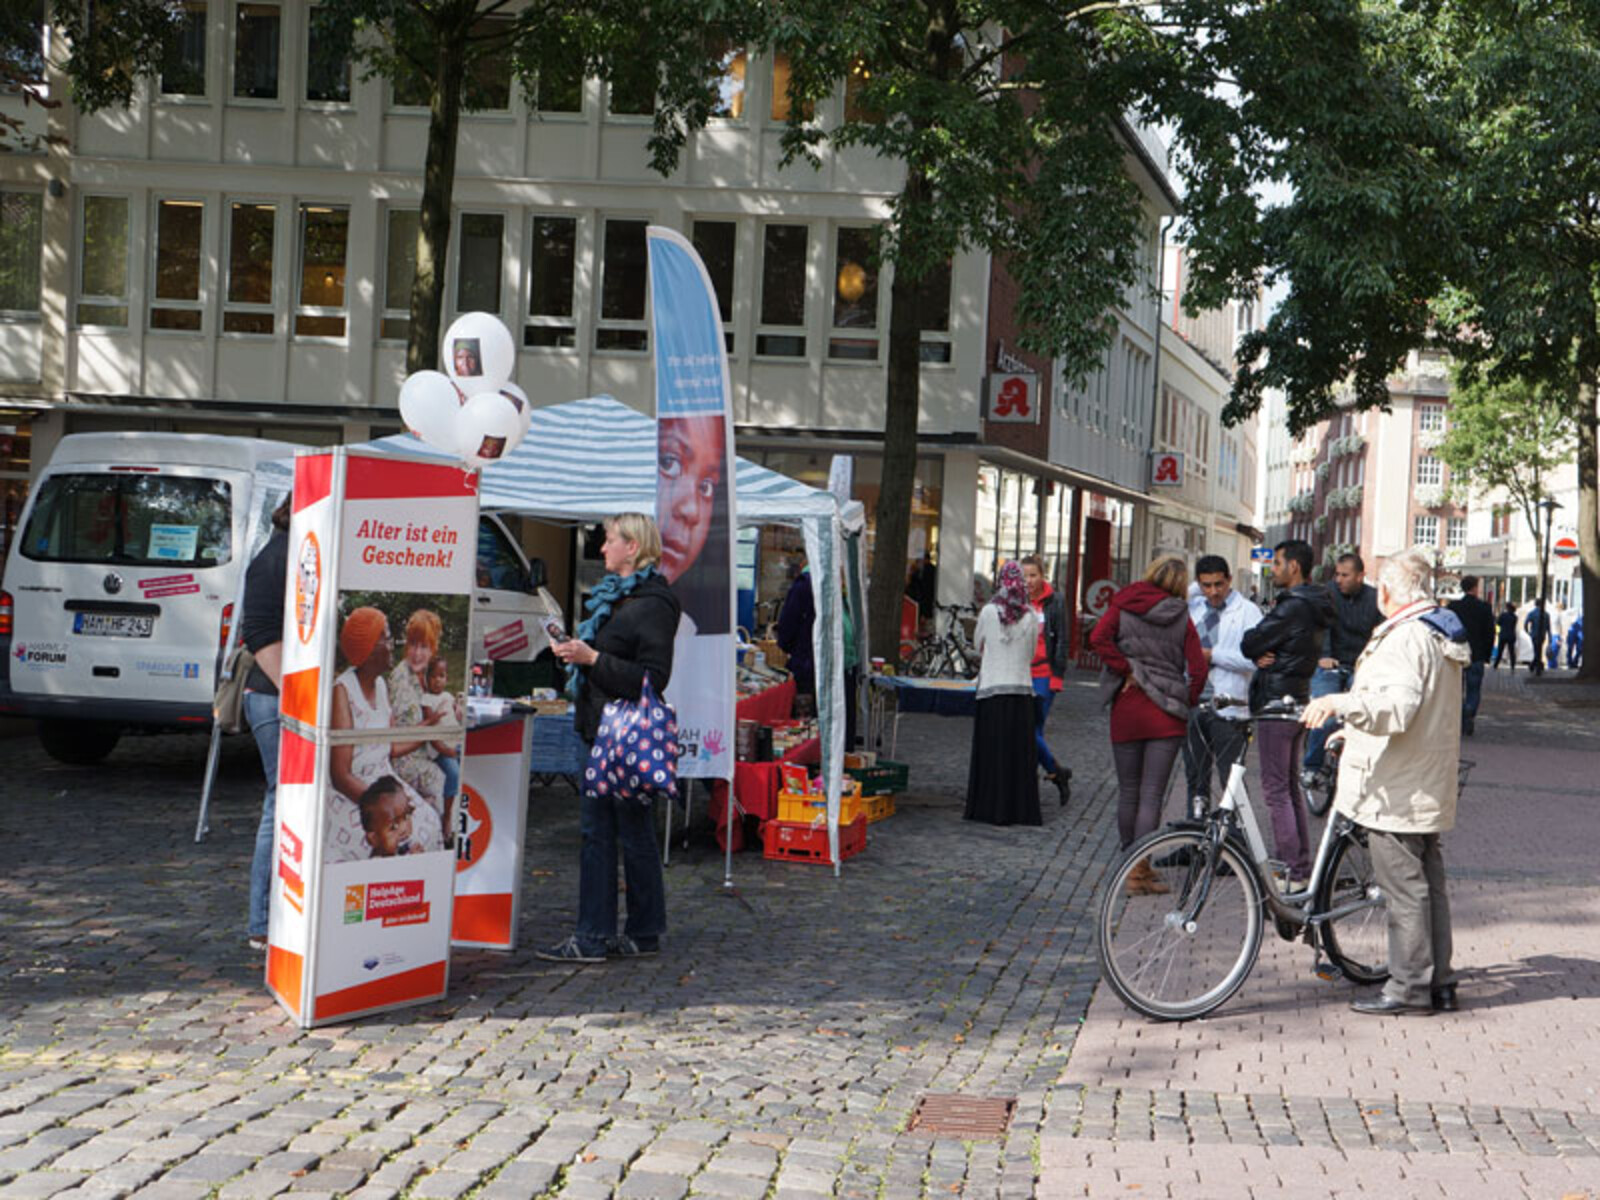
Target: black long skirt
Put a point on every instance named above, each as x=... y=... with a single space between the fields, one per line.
x=1003 y=779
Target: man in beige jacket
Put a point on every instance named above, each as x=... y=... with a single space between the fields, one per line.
x=1398 y=776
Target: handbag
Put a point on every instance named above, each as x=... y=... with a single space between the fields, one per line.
x=635 y=751
x=227 y=705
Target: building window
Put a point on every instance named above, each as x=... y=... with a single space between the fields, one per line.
x=479 y=239
x=399 y=273
x=783 y=290
x=103 y=263
x=324 y=237
x=855 y=294
x=1455 y=533
x=257 y=29
x=252 y=230
x=488 y=82
x=560 y=88
x=1430 y=471
x=934 y=310
x=622 y=288
x=1425 y=531
x=553 y=270
x=633 y=94
x=179 y=225
x=855 y=86
x=21 y=249
x=327 y=70
x=732 y=62
x=780 y=89
x=715 y=242
x=1430 y=418
x=183 y=66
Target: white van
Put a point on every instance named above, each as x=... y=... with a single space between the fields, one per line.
x=118 y=592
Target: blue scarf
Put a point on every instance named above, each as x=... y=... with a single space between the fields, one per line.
x=606 y=594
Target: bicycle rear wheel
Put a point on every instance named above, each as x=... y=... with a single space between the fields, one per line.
x=1357 y=942
x=1183 y=954
x=925 y=660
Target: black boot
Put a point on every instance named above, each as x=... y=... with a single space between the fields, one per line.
x=1063 y=781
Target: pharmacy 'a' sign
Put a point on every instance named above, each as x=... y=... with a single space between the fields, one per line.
x=1166 y=469
x=381 y=568
x=1014 y=398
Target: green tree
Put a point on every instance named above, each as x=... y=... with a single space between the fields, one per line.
x=1509 y=436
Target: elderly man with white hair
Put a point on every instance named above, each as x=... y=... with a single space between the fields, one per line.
x=1398 y=776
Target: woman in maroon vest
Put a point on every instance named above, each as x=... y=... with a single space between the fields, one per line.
x=1156 y=673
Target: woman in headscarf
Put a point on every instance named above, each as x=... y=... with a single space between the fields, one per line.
x=1003 y=780
x=627 y=636
x=1156 y=672
x=361 y=701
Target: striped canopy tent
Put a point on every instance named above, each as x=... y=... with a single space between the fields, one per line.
x=585 y=460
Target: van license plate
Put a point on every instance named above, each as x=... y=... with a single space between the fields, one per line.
x=113 y=625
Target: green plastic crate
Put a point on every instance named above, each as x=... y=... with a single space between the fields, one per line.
x=882 y=779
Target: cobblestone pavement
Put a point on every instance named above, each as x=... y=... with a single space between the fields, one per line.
x=777 y=1047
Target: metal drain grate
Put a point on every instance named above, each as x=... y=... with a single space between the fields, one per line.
x=963 y=1116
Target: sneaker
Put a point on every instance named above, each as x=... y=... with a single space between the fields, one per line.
x=258 y=942
x=570 y=951
x=627 y=947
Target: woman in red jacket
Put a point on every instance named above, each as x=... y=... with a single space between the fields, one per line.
x=1151 y=649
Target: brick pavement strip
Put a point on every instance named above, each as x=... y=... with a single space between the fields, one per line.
x=777 y=1048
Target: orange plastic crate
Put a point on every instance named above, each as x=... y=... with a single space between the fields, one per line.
x=878 y=808
x=786 y=841
x=792 y=806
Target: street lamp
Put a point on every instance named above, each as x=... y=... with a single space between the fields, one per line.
x=1549 y=505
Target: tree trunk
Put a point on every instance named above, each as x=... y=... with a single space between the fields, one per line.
x=893 y=517
x=1588 y=528
x=438 y=191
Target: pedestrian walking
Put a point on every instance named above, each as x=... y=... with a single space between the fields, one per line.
x=1285 y=648
x=1398 y=777
x=1575 y=643
x=1506 y=622
x=627 y=635
x=1537 y=626
x=1155 y=672
x=261 y=630
x=1049 y=667
x=1477 y=618
x=1217 y=739
x=1003 y=773
x=1356 y=615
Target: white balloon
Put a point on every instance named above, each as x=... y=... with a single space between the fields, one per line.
x=478 y=352
x=488 y=428
x=430 y=405
x=519 y=398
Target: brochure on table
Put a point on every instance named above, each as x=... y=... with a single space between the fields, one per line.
x=363 y=889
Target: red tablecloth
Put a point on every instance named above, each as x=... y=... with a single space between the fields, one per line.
x=774 y=704
x=755 y=785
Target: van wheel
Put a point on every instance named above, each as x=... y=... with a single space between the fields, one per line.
x=78 y=743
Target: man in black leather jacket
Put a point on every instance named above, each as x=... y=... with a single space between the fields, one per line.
x=1285 y=647
x=1356 y=615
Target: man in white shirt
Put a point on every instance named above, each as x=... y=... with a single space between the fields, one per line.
x=1217 y=739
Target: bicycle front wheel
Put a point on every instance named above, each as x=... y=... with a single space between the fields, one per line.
x=1357 y=942
x=1319 y=796
x=1181 y=954
x=925 y=660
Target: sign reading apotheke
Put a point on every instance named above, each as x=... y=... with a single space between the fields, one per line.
x=1013 y=398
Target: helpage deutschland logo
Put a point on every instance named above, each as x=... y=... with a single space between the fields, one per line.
x=401 y=902
x=307 y=583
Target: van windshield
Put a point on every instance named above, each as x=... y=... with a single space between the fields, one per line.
x=137 y=519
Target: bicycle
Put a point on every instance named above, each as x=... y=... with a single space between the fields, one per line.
x=947 y=654
x=1182 y=954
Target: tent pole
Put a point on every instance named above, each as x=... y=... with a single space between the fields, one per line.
x=727 y=849
x=201 y=827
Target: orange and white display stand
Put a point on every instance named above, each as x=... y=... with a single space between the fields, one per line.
x=489 y=838
x=362 y=897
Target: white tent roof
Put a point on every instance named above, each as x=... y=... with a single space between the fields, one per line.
x=587 y=459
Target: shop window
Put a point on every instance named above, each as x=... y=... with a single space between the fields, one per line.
x=179 y=225
x=855 y=295
x=715 y=241
x=934 y=315
x=183 y=65
x=553 y=268
x=103 y=262
x=622 y=288
x=327 y=67
x=479 y=239
x=257 y=32
x=21 y=250
x=399 y=273
x=731 y=64
x=781 y=72
x=783 y=291
x=324 y=239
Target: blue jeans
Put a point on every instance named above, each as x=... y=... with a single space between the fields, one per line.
x=451 y=766
x=261 y=712
x=1043 y=698
x=605 y=823
x=1471 y=693
x=1327 y=681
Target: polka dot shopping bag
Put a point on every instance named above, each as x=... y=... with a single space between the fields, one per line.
x=635 y=752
